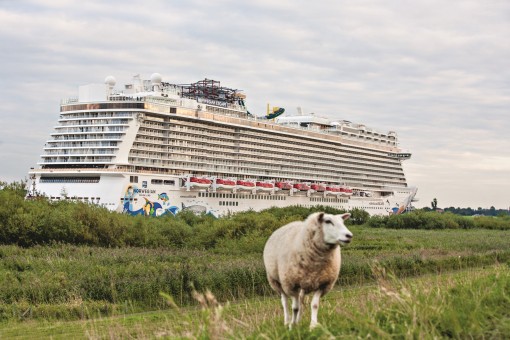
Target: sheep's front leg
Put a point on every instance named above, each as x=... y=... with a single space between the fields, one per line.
x=315 y=308
x=286 y=315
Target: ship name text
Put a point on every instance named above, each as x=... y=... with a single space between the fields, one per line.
x=212 y=102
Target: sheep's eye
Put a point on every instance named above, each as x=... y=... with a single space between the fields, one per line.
x=329 y=222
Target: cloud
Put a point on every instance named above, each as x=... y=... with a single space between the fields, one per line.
x=435 y=72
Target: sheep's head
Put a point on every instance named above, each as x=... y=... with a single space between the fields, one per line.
x=334 y=229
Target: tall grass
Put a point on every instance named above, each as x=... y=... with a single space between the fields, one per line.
x=69 y=260
x=71 y=282
x=467 y=304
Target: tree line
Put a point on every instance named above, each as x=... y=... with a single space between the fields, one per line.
x=40 y=221
x=492 y=211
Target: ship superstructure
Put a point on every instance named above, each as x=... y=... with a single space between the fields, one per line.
x=156 y=148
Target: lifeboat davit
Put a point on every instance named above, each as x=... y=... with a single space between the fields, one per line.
x=283 y=185
x=225 y=183
x=318 y=187
x=200 y=182
x=245 y=184
x=301 y=186
x=266 y=186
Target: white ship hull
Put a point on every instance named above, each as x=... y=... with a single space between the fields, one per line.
x=157 y=195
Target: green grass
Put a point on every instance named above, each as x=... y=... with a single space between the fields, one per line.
x=470 y=303
x=65 y=282
x=74 y=270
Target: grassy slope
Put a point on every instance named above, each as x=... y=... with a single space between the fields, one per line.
x=65 y=282
x=460 y=304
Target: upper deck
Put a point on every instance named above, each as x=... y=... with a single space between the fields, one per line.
x=208 y=100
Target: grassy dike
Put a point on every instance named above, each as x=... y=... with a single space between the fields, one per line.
x=72 y=267
x=67 y=282
x=468 y=303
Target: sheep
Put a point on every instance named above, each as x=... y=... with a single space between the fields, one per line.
x=303 y=257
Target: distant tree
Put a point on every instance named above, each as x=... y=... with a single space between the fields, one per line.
x=492 y=211
x=359 y=216
x=18 y=187
x=434 y=204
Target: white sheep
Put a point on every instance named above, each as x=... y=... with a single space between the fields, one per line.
x=303 y=257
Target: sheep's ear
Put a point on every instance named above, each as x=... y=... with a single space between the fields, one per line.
x=320 y=217
x=345 y=216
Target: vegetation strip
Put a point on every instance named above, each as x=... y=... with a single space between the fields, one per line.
x=70 y=263
x=469 y=302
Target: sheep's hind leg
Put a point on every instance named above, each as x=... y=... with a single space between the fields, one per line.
x=295 y=310
x=297 y=303
x=315 y=308
x=286 y=315
x=301 y=297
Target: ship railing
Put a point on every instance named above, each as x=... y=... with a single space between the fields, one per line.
x=319 y=146
x=79 y=124
x=289 y=155
x=59 y=138
x=268 y=125
x=288 y=159
x=203 y=139
x=249 y=173
x=215 y=134
x=75 y=152
x=371 y=168
x=197 y=125
x=374 y=172
x=256 y=171
x=147 y=133
x=375 y=138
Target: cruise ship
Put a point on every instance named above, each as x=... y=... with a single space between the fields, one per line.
x=155 y=148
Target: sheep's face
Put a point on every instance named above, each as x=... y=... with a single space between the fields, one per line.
x=334 y=229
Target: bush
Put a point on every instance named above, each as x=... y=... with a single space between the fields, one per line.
x=39 y=221
x=432 y=220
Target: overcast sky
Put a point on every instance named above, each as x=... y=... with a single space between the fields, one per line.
x=436 y=72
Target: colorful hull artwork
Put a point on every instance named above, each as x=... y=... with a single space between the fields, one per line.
x=149 y=207
x=138 y=202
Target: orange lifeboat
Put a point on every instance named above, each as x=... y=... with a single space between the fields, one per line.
x=245 y=184
x=346 y=191
x=266 y=186
x=225 y=183
x=301 y=186
x=333 y=189
x=283 y=185
x=199 y=182
x=318 y=187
